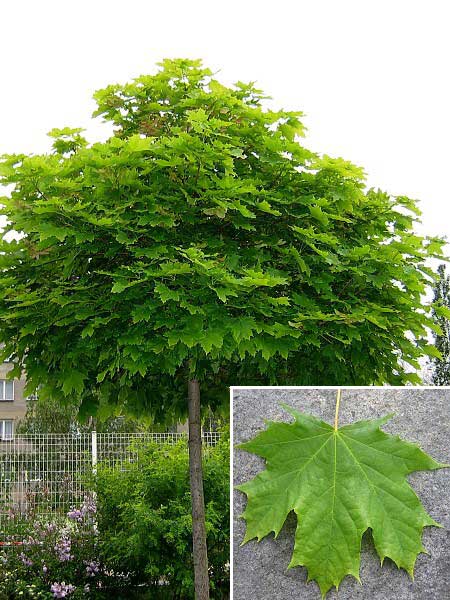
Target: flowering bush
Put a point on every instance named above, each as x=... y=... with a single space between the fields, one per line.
x=56 y=558
x=143 y=550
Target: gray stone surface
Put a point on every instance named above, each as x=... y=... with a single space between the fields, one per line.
x=422 y=416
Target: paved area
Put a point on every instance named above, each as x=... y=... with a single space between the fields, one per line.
x=422 y=416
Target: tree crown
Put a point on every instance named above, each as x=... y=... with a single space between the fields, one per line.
x=202 y=239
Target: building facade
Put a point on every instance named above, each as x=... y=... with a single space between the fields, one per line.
x=12 y=401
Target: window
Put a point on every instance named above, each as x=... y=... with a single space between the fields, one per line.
x=6 y=390
x=6 y=430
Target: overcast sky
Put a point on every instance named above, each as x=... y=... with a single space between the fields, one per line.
x=371 y=76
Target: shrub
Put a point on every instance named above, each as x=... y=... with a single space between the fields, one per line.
x=144 y=515
x=54 y=557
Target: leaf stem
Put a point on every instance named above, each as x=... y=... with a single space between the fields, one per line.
x=336 y=414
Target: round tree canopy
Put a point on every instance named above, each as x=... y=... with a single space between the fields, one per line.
x=202 y=239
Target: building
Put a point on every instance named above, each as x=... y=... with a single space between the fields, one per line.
x=12 y=401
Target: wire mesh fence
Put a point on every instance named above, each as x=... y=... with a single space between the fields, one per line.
x=48 y=473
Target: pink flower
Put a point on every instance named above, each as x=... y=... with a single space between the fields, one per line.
x=26 y=561
x=62 y=549
x=92 y=568
x=61 y=590
x=89 y=506
x=75 y=515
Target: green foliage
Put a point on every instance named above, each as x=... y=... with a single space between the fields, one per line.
x=441 y=315
x=145 y=518
x=203 y=239
x=339 y=483
x=47 y=415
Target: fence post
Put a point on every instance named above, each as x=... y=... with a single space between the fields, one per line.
x=94 y=451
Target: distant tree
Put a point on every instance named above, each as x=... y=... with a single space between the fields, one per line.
x=202 y=244
x=46 y=415
x=441 y=314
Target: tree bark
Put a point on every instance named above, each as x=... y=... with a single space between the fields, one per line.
x=200 y=552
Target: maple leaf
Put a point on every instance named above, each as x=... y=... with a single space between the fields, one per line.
x=339 y=482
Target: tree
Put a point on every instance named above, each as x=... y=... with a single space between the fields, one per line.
x=441 y=314
x=47 y=415
x=202 y=243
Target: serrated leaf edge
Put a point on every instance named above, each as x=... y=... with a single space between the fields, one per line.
x=377 y=423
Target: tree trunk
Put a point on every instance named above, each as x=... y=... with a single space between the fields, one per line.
x=200 y=552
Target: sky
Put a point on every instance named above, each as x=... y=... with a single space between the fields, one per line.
x=371 y=76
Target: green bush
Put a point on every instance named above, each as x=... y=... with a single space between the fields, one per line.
x=144 y=519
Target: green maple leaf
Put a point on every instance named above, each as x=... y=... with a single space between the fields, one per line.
x=339 y=483
x=242 y=329
x=73 y=382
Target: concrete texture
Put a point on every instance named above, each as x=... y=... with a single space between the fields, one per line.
x=422 y=416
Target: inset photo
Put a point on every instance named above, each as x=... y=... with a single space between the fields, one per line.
x=341 y=493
